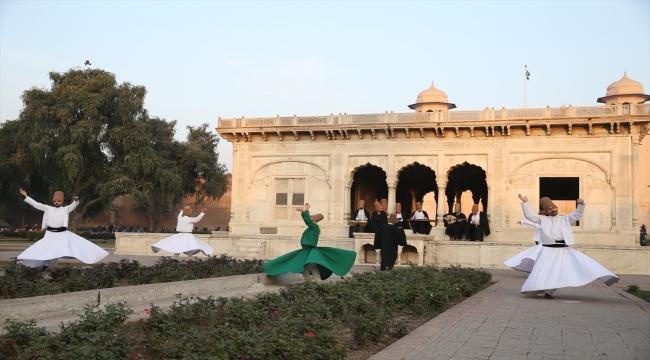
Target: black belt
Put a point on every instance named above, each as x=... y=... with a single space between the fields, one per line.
x=59 y=229
x=558 y=244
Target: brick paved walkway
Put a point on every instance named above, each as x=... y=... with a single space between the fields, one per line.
x=590 y=322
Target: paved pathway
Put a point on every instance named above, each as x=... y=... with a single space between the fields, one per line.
x=590 y=322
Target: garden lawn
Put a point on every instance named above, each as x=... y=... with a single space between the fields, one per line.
x=334 y=320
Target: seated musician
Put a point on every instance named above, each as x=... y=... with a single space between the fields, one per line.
x=359 y=219
x=455 y=224
x=378 y=218
x=399 y=222
x=421 y=225
x=477 y=226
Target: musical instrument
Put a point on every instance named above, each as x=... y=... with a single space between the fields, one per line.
x=362 y=223
x=452 y=219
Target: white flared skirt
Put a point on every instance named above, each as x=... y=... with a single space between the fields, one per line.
x=66 y=244
x=525 y=260
x=564 y=267
x=182 y=243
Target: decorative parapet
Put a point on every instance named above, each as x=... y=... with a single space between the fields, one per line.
x=342 y=126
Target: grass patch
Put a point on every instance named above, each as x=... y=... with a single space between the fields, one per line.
x=352 y=318
x=634 y=290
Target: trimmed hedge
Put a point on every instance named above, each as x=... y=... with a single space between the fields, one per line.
x=21 y=281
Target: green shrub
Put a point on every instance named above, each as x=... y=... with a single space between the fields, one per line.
x=21 y=281
x=302 y=321
x=10 y=234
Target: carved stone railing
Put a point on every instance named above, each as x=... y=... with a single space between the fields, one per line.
x=643 y=109
x=440 y=116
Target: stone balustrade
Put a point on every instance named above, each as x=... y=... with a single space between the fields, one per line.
x=439 y=116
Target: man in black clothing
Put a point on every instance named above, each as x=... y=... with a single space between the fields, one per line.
x=455 y=224
x=387 y=238
x=359 y=219
x=477 y=225
x=420 y=226
x=378 y=218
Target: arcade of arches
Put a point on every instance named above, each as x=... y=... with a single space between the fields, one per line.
x=466 y=184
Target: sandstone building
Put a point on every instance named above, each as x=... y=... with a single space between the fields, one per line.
x=442 y=156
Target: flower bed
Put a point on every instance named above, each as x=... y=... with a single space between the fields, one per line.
x=306 y=321
x=20 y=281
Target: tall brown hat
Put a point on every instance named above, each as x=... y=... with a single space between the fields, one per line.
x=58 y=195
x=475 y=208
x=377 y=205
x=398 y=207
x=418 y=206
x=362 y=203
x=187 y=211
x=392 y=219
x=546 y=203
x=384 y=204
x=318 y=217
x=457 y=207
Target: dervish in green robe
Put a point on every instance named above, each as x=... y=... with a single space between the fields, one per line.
x=329 y=260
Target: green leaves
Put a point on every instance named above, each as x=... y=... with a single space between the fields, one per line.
x=91 y=137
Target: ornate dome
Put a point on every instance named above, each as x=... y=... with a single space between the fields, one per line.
x=431 y=99
x=624 y=90
x=432 y=95
x=625 y=86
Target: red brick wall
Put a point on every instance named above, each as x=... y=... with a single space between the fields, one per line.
x=218 y=213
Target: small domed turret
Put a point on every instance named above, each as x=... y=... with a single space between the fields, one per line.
x=624 y=90
x=432 y=99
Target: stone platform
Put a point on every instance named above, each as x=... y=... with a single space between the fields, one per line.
x=424 y=249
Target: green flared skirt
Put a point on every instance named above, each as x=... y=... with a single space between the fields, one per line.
x=329 y=260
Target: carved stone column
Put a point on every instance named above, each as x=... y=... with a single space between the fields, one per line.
x=613 y=213
x=391 y=199
x=346 y=202
x=442 y=201
x=378 y=259
x=635 y=181
x=399 y=256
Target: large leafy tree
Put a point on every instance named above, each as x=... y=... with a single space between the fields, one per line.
x=182 y=169
x=85 y=135
x=163 y=186
x=204 y=178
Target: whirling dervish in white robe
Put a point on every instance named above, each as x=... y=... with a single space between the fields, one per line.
x=184 y=241
x=558 y=265
x=58 y=241
x=525 y=260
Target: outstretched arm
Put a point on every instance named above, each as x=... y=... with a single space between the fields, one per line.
x=32 y=202
x=74 y=204
x=577 y=214
x=198 y=218
x=527 y=212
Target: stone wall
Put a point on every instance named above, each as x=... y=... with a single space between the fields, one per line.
x=630 y=259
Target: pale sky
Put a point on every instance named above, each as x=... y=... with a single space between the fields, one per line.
x=208 y=59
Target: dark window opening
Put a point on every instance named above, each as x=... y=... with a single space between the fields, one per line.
x=564 y=191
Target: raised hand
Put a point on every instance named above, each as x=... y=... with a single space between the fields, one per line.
x=23 y=192
x=522 y=198
x=580 y=201
x=204 y=210
x=307 y=206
